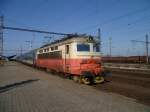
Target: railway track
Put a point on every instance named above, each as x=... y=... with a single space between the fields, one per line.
x=131 y=84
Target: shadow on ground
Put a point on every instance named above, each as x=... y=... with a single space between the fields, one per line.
x=17 y=84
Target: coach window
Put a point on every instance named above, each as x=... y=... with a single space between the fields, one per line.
x=52 y=48
x=67 y=49
x=47 y=49
x=56 y=47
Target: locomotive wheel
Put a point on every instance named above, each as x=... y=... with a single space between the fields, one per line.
x=99 y=79
x=86 y=80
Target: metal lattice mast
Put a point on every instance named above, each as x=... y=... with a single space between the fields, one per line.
x=99 y=38
x=147 y=42
x=146 y=46
x=1 y=35
x=110 y=46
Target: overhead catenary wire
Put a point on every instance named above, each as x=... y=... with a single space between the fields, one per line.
x=139 y=20
x=117 y=18
x=145 y=20
x=96 y=11
x=18 y=23
x=33 y=30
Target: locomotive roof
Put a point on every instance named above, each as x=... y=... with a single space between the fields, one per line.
x=68 y=38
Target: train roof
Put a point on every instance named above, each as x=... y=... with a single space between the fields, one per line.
x=68 y=38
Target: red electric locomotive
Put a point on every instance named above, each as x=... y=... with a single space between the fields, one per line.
x=77 y=56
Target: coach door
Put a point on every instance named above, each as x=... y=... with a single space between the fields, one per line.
x=67 y=58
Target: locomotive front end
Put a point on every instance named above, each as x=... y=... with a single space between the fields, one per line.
x=88 y=62
x=91 y=70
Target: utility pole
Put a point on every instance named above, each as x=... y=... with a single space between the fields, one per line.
x=21 y=50
x=1 y=35
x=146 y=46
x=110 y=46
x=147 y=60
x=99 y=38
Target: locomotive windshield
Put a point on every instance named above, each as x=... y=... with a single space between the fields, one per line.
x=83 y=47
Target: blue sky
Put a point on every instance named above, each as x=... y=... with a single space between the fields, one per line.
x=122 y=20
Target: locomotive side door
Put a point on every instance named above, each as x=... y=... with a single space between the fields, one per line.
x=67 y=58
